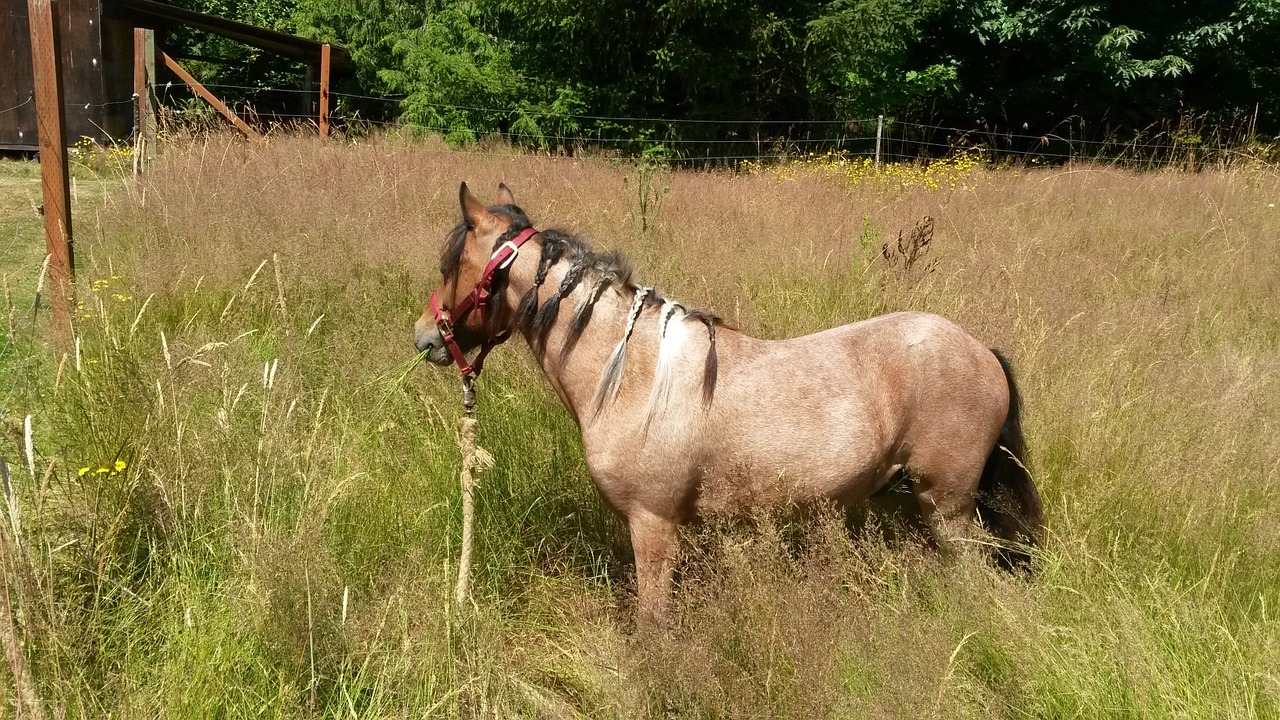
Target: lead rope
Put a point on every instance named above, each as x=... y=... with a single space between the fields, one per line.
x=475 y=460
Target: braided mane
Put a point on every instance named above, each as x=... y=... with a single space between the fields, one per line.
x=599 y=271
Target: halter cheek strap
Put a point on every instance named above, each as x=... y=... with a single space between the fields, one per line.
x=477 y=300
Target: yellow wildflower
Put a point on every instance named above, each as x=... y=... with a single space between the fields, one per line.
x=120 y=465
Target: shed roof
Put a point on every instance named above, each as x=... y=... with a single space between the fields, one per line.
x=152 y=14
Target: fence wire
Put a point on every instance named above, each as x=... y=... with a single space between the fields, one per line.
x=692 y=141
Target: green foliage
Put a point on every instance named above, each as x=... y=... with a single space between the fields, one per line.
x=449 y=66
x=219 y=61
x=861 y=49
x=547 y=73
x=651 y=186
x=1040 y=61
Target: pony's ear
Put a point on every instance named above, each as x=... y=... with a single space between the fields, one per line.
x=504 y=195
x=473 y=211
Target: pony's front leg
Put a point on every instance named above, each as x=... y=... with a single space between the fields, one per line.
x=655 y=541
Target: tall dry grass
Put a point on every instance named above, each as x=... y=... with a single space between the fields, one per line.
x=269 y=515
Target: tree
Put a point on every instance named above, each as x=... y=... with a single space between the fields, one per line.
x=553 y=71
x=1037 y=63
x=861 y=59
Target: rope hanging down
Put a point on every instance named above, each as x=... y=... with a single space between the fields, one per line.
x=475 y=460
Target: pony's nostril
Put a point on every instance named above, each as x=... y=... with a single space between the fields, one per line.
x=423 y=343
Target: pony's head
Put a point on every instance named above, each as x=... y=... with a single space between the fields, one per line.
x=468 y=249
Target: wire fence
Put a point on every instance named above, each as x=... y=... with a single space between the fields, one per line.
x=700 y=141
x=30 y=99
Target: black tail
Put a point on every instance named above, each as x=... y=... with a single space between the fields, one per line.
x=1008 y=502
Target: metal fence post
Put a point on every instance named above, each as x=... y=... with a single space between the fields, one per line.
x=879 y=137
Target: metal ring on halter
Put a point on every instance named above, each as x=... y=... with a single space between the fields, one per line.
x=515 y=250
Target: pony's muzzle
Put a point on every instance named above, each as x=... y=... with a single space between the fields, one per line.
x=428 y=340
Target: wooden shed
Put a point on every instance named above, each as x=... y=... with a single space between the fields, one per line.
x=97 y=74
x=97 y=54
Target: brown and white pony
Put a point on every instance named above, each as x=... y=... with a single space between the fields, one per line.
x=680 y=414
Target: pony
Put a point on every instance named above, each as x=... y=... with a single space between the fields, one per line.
x=681 y=414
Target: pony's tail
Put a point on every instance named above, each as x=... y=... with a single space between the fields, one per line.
x=1008 y=502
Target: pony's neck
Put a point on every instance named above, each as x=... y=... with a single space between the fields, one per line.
x=575 y=372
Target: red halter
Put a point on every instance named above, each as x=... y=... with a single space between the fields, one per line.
x=476 y=300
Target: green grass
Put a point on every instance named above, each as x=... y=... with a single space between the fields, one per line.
x=283 y=536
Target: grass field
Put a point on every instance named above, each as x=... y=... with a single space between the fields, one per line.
x=242 y=500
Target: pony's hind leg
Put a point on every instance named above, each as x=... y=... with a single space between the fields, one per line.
x=945 y=465
x=950 y=517
x=946 y=493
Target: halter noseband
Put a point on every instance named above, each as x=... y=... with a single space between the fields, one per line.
x=476 y=300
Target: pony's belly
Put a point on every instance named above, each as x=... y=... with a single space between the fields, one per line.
x=770 y=482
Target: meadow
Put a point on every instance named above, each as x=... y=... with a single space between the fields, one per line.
x=238 y=495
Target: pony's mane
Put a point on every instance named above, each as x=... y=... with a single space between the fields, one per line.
x=599 y=271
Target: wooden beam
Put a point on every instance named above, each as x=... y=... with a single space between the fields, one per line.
x=139 y=98
x=306 y=105
x=139 y=62
x=144 y=78
x=209 y=97
x=149 y=63
x=324 y=93
x=50 y=126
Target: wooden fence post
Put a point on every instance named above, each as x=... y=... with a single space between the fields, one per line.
x=149 y=61
x=50 y=126
x=139 y=98
x=144 y=77
x=324 y=93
